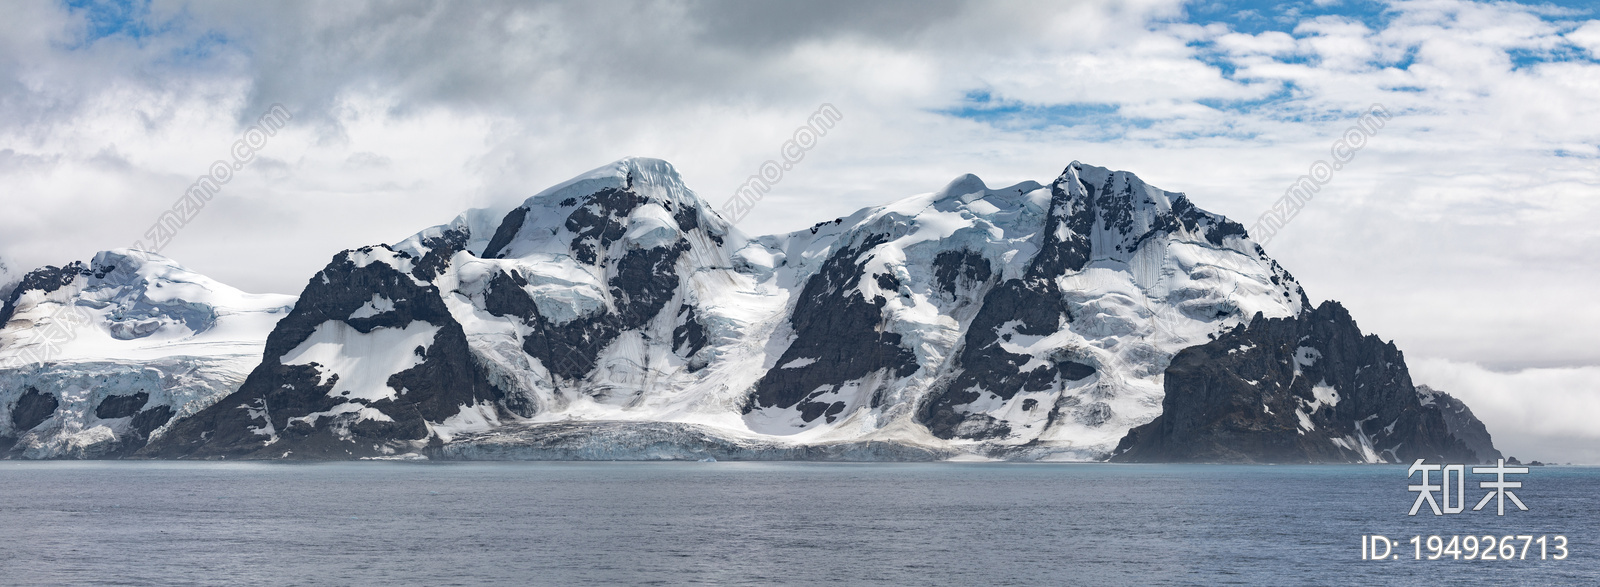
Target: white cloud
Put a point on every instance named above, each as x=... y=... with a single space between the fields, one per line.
x=1271 y=43
x=1533 y=414
x=1588 y=37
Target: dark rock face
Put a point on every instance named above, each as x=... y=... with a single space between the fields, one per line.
x=121 y=406
x=646 y=280
x=507 y=231
x=643 y=284
x=1462 y=424
x=139 y=428
x=1033 y=305
x=1065 y=246
x=601 y=222
x=440 y=248
x=1193 y=217
x=951 y=266
x=688 y=337
x=1293 y=390
x=688 y=218
x=147 y=421
x=267 y=417
x=32 y=409
x=837 y=330
x=46 y=279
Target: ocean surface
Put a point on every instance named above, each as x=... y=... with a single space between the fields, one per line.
x=372 y=523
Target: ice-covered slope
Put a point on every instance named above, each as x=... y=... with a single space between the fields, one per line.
x=619 y=312
x=95 y=358
x=1023 y=322
x=607 y=297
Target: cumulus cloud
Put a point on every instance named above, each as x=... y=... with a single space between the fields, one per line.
x=1463 y=230
x=1587 y=37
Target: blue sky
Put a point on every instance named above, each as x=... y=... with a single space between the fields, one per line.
x=103 y=19
x=1281 y=99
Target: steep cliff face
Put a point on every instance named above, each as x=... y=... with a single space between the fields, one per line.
x=1124 y=275
x=583 y=297
x=368 y=364
x=1465 y=426
x=1293 y=390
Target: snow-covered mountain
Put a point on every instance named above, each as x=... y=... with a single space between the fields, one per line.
x=1030 y=321
x=597 y=299
x=617 y=315
x=1023 y=322
x=96 y=358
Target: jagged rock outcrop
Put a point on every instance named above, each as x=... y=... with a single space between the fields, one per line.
x=366 y=364
x=580 y=295
x=1303 y=389
x=1463 y=425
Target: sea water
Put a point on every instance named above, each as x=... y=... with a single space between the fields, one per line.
x=738 y=523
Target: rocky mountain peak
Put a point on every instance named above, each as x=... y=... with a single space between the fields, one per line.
x=1116 y=212
x=636 y=201
x=1308 y=388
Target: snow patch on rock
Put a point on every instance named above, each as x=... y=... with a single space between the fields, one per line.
x=362 y=362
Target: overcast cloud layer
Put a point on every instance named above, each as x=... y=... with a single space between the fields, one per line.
x=1465 y=230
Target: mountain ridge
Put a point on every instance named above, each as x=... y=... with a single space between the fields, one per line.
x=1029 y=322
